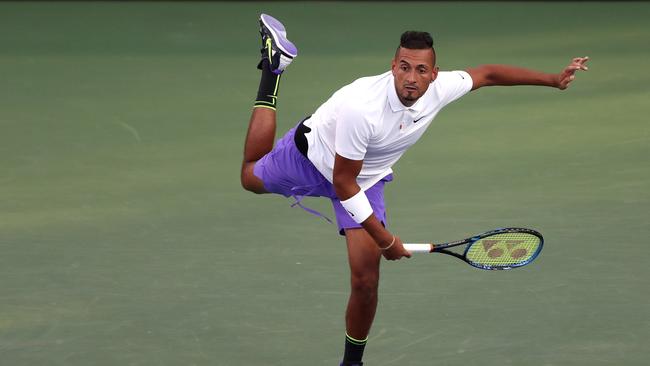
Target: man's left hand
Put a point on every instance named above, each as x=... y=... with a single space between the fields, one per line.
x=568 y=74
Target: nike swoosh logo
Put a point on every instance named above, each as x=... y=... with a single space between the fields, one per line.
x=461 y=76
x=416 y=121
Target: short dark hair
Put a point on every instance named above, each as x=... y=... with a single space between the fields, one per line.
x=415 y=40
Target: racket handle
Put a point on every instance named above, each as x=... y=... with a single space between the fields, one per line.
x=418 y=248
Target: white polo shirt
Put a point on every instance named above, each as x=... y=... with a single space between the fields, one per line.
x=365 y=120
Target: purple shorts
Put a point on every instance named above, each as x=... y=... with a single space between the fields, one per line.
x=287 y=172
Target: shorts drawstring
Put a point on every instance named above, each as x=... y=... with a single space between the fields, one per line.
x=299 y=197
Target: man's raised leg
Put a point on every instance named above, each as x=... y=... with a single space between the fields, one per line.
x=277 y=54
x=259 y=142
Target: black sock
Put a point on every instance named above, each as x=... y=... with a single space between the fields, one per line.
x=353 y=350
x=269 y=84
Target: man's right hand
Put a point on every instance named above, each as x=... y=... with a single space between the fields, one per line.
x=396 y=250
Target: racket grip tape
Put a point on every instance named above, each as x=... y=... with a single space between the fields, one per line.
x=418 y=248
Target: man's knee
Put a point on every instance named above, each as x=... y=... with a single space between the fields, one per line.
x=252 y=185
x=249 y=181
x=248 y=185
x=365 y=285
x=364 y=258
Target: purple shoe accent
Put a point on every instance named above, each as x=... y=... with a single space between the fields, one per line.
x=279 y=34
x=272 y=22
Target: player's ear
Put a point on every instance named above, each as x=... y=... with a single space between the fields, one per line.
x=393 y=65
x=434 y=73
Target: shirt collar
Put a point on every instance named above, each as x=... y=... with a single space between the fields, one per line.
x=396 y=105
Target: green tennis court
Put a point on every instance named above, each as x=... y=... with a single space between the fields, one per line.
x=125 y=238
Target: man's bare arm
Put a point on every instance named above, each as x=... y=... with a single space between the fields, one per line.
x=505 y=75
x=345 y=185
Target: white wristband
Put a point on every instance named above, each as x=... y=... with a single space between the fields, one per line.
x=358 y=207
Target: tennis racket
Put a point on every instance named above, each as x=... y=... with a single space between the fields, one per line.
x=504 y=248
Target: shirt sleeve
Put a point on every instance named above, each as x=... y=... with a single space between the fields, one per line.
x=454 y=84
x=353 y=133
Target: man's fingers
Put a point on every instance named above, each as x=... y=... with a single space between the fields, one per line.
x=405 y=253
x=568 y=79
x=399 y=250
x=581 y=60
x=564 y=83
x=579 y=67
x=568 y=75
x=576 y=67
x=571 y=69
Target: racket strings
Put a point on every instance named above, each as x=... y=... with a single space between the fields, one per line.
x=504 y=250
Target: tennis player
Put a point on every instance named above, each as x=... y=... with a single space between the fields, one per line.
x=345 y=150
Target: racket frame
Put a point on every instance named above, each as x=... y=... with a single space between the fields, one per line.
x=442 y=248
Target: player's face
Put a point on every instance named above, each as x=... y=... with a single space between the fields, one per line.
x=413 y=70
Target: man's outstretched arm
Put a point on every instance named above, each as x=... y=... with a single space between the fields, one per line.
x=505 y=75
